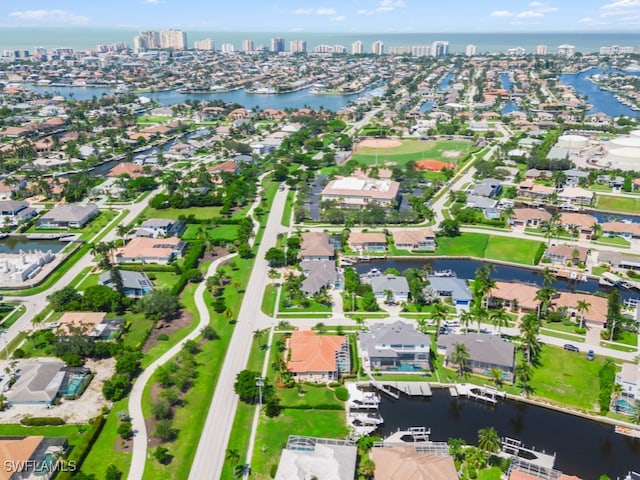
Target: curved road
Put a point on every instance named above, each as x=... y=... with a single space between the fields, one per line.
x=139 y=451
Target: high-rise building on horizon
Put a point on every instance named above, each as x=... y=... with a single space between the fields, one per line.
x=339 y=49
x=615 y=50
x=357 y=47
x=470 y=50
x=247 y=46
x=173 y=39
x=207 y=45
x=439 y=48
x=421 y=50
x=298 y=46
x=227 y=48
x=566 y=50
x=146 y=40
x=541 y=50
x=277 y=45
x=377 y=48
x=516 y=51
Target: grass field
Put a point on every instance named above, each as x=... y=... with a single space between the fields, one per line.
x=412 y=150
x=174 y=213
x=491 y=247
x=618 y=204
x=567 y=377
x=224 y=232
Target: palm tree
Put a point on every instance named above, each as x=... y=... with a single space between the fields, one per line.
x=583 y=307
x=496 y=376
x=544 y=296
x=460 y=357
x=232 y=456
x=523 y=374
x=489 y=440
x=422 y=325
x=500 y=318
x=465 y=319
x=122 y=230
x=439 y=314
x=529 y=329
x=257 y=335
x=480 y=313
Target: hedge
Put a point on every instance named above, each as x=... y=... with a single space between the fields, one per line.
x=191 y=259
x=82 y=449
x=342 y=394
x=147 y=267
x=41 y=421
x=539 y=253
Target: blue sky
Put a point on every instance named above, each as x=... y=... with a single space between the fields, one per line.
x=382 y=16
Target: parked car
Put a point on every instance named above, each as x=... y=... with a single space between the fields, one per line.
x=591 y=355
x=571 y=348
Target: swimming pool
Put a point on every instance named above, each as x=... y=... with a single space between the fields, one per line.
x=73 y=385
x=624 y=407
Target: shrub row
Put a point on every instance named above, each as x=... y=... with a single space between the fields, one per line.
x=41 y=421
x=148 y=267
x=607 y=376
x=82 y=449
x=191 y=259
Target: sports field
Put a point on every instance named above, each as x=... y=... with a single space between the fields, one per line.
x=394 y=152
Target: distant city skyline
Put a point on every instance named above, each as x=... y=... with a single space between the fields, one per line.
x=346 y=16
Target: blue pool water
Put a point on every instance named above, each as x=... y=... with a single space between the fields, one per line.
x=624 y=407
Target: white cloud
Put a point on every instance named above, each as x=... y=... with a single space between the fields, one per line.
x=384 y=6
x=621 y=4
x=365 y=12
x=315 y=11
x=536 y=4
x=530 y=14
x=339 y=18
x=501 y=13
x=50 y=16
x=153 y=2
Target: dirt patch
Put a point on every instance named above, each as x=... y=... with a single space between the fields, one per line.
x=123 y=445
x=451 y=153
x=210 y=256
x=433 y=165
x=153 y=442
x=380 y=143
x=167 y=327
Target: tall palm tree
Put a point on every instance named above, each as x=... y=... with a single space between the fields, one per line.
x=232 y=456
x=480 y=314
x=489 y=440
x=496 y=376
x=500 y=318
x=465 y=319
x=439 y=314
x=544 y=296
x=529 y=330
x=583 y=307
x=422 y=325
x=523 y=375
x=460 y=357
x=258 y=335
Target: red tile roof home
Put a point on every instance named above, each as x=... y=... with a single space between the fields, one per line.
x=597 y=312
x=402 y=462
x=229 y=166
x=316 y=245
x=154 y=250
x=621 y=227
x=126 y=168
x=367 y=238
x=311 y=353
x=524 y=295
x=581 y=220
x=17 y=451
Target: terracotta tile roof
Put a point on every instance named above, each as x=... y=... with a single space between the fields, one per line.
x=356 y=238
x=404 y=463
x=316 y=244
x=524 y=214
x=621 y=227
x=313 y=353
x=17 y=450
x=414 y=236
x=86 y=320
x=523 y=294
x=520 y=475
x=579 y=219
x=142 y=247
x=126 y=168
x=597 y=311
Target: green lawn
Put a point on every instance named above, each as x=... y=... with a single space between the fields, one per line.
x=615 y=241
x=269 y=299
x=288 y=207
x=203 y=213
x=163 y=279
x=599 y=270
x=618 y=204
x=219 y=232
x=89 y=281
x=412 y=150
x=467 y=244
x=568 y=378
x=104 y=447
x=509 y=249
x=13 y=316
x=310 y=396
x=273 y=433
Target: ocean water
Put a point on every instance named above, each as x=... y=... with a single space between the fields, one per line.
x=85 y=38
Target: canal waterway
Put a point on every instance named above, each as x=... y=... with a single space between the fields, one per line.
x=601 y=100
x=299 y=99
x=15 y=244
x=584 y=447
x=467 y=269
x=509 y=106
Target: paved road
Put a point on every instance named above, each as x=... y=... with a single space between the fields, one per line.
x=36 y=303
x=210 y=455
x=140 y=439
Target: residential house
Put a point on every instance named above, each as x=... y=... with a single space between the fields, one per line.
x=8 y=189
x=394 y=347
x=582 y=223
x=304 y=458
x=575 y=196
x=127 y=168
x=92 y=324
x=619 y=260
x=535 y=174
x=161 y=227
x=489 y=187
x=575 y=177
x=629 y=378
x=134 y=284
x=317 y=246
x=68 y=216
x=150 y=250
x=481 y=203
x=629 y=231
x=410 y=461
x=594 y=316
x=513 y=295
x=529 y=217
x=486 y=352
x=419 y=239
x=38 y=382
x=317 y=358
x=450 y=287
x=367 y=242
x=390 y=288
x=25 y=458
x=320 y=274
x=566 y=254
x=358 y=192
x=13 y=212
x=533 y=190
x=229 y=167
